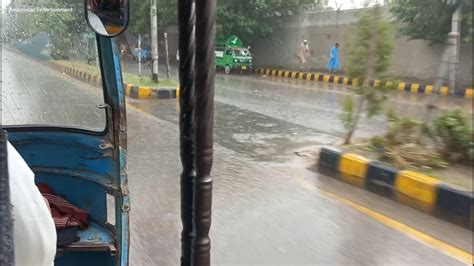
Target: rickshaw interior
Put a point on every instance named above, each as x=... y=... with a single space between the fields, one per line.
x=83 y=163
x=77 y=145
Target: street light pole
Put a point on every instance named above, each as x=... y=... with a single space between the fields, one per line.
x=154 y=40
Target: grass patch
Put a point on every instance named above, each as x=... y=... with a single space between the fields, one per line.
x=147 y=81
x=128 y=78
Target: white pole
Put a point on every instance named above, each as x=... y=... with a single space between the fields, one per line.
x=154 y=40
x=139 y=55
x=167 y=56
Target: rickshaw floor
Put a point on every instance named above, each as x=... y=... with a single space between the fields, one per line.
x=94 y=238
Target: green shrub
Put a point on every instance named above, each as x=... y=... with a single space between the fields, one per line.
x=403 y=130
x=377 y=142
x=456 y=135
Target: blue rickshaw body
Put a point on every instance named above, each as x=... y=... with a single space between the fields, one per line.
x=89 y=169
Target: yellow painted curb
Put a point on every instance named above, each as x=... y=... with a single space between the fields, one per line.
x=401 y=86
x=417 y=190
x=128 y=88
x=355 y=82
x=444 y=91
x=144 y=93
x=429 y=89
x=469 y=93
x=345 y=81
x=326 y=78
x=353 y=168
x=377 y=83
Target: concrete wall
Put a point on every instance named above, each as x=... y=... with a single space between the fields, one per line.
x=412 y=59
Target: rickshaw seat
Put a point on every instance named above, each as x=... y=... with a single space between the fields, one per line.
x=94 y=238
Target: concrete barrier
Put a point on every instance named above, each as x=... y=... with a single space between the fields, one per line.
x=335 y=79
x=131 y=90
x=410 y=188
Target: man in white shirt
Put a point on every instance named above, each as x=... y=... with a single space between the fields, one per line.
x=303 y=53
x=34 y=233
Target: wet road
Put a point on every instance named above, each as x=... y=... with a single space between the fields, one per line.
x=266 y=210
x=269 y=118
x=48 y=89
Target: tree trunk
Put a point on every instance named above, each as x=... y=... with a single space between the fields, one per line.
x=360 y=106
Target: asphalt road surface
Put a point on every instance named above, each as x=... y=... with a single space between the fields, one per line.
x=267 y=207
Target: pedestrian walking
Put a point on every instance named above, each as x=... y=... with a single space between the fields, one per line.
x=333 y=64
x=303 y=53
x=123 y=51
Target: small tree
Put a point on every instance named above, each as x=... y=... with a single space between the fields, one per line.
x=370 y=59
x=430 y=20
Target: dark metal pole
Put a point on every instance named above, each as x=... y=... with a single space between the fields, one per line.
x=7 y=247
x=203 y=123
x=186 y=21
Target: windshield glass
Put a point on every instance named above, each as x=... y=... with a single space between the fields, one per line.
x=241 y=52
x=50 y=73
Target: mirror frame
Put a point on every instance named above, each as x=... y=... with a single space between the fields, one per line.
x=86 y=16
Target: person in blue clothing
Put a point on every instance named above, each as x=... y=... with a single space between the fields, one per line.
x=333 y=64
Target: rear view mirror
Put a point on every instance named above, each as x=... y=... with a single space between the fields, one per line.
x=107 y=17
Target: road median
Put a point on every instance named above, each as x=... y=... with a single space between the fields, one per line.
x=343 y=80
x=88 y=75
x=411 y=188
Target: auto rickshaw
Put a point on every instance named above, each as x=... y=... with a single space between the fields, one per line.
x=89 y=168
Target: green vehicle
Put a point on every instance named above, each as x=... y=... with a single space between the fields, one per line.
x=231 y=55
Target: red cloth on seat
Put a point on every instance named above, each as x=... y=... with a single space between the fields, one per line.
x=65 y=214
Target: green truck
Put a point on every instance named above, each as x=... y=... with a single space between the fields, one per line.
x=231 y=55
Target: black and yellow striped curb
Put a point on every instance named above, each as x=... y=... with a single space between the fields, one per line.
x=410 y=188
x=141 y=92
x=402 y=86
x=137 y=92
